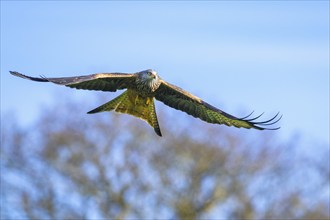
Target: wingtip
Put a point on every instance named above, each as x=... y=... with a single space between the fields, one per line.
x=262 y=125
x=14 y=73
x=42 y=79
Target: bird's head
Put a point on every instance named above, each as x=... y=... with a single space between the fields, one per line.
x=149 y=78
x=149 y=74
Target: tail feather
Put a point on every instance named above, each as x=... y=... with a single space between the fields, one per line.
x=131 y=103
x=152 y=119
x=111 y=105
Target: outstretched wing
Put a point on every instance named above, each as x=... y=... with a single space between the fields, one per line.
x=100 y=81
x=179 y=99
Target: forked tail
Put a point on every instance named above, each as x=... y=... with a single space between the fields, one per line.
x=131 y=103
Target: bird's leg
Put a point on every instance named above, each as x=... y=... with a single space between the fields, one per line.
x=148 y=101
x=136 y=99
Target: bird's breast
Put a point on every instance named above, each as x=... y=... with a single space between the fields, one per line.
x=147 y=87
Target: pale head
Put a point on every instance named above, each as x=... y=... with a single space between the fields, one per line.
x=148 y=80
x=149 y=74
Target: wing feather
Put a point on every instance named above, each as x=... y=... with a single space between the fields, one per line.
x=100 y=81
x=179 y=99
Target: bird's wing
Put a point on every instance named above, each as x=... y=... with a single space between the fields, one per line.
x=179 y=99
x=100 y=81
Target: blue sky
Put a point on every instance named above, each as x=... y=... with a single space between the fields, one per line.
x=240 y=56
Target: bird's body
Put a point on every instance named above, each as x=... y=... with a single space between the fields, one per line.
x=138 y=100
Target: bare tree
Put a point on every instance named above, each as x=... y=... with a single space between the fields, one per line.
x=74 y=166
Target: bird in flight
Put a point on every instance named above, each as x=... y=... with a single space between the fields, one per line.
x=138 y=99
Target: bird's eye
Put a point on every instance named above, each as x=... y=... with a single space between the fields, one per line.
x=149 y=73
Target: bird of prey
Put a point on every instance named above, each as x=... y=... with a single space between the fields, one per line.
x=138 y=99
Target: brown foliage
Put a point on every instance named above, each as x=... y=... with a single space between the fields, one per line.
x=107 y=166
